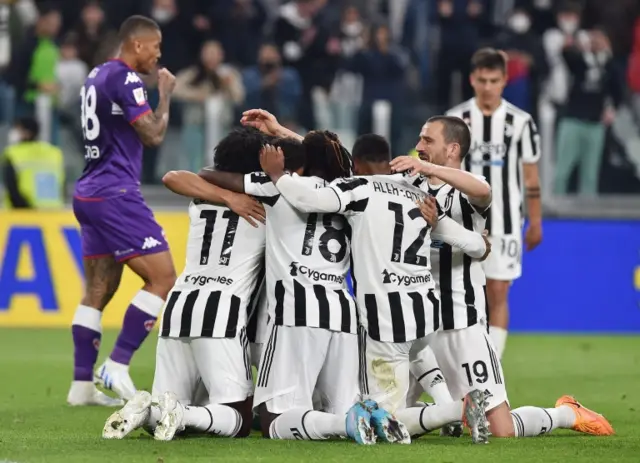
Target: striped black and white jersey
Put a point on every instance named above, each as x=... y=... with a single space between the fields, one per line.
x=307 y=260
x=459 y=278
x=220 y=281
x=391 y=264
x=500 y=144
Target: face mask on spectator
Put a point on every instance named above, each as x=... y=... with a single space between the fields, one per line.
x=519 y=23
x=568 y=26
x=268 y=66
x=352 y=29
x=162 y=15
x=14 y=136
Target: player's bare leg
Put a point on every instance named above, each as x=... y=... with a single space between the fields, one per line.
x=531 y=421
x=158 y=273
x=102 y=276
x=498 y=307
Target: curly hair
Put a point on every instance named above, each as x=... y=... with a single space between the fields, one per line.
x=239 y=151
x=326 y=157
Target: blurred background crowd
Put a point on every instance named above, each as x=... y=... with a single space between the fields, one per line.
x=352 y=66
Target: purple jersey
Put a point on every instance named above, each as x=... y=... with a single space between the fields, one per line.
x=112 y=99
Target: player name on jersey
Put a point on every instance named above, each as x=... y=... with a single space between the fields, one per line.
x=500 y=144
x=391 y=239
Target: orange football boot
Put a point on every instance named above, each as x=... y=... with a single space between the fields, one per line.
x=587 y=421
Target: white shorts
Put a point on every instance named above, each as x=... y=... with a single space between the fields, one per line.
x=469 y=361
x=220 y=365
x=505 y=260
x=298 y=360
x=387 y=375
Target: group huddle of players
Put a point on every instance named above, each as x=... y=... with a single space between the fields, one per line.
x=276 y=226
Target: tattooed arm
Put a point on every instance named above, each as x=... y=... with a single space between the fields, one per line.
x=152 y=126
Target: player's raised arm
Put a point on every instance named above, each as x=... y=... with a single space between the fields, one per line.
x=299 y=194
x=188 y=184
x=469 y=242
x=267 y=123
x=152 y=126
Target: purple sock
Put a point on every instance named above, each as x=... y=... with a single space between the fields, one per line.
x=135 y=328
x=86 y=344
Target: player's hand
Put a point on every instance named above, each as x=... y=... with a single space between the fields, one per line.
x=485 y=237
x=246 y=207
x=533 y=236
x=166 y=82
x=413 y=165
x=429 y=210
x=262 y=120
x=272 y=162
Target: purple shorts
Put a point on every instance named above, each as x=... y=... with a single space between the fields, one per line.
x=121 y=226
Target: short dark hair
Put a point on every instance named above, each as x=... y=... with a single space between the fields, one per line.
x=326 y=157
x=489 y=58
x=294 y=153
x=47 y=8
x=454 y=130
x=239 y=151
x=371 y=148
x=136 y=24
x=30 y=125
x=569 y=6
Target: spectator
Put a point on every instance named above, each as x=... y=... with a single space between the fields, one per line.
x=271 y=86
x=581 y=132
x=460 y=24
x=634 y=73
x=71 y=73
x=209 y=77
x=175 y=25
x=238 y=25
x=33 y=171
x=95 y=38
x=567 y=28
x=33 y=67
x=304 y=42
x=382 y=68
x=527 y=66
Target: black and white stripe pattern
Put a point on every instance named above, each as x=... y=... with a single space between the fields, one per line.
x=402 y=316
x=267 y=358
x=362 y=363
x=460 y=278
x=495 y=363
x=311 y=307
x=500 y=143
x=200 y=313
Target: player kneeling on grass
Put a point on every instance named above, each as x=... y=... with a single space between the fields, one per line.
x=203 y=338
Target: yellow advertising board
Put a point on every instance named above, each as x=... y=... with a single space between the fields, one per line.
x=41 y=274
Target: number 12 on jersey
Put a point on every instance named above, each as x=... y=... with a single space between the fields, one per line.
x=229 y=236
x=411 y=255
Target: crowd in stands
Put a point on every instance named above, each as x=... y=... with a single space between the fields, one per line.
x=572 y=64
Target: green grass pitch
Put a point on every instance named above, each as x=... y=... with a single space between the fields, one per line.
x=37 y=426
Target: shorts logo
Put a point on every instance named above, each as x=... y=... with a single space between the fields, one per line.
x=150 y=242
x=437 y=380
x=389 y=278
x=149 y=324
x=300 y=270
x=132 y=78
x=487 y=394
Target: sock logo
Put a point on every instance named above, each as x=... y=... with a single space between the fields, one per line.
x=96 y=343
x=149 y=324
x=437 y=380
x=296 y=433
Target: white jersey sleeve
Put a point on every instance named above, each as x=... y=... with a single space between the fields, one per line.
x=305 y=198
x=469 y=242
x=530 y=142
x=259 y=185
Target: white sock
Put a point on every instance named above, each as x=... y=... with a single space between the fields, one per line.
x=88 y=317
x=215 y=419
x=433 y=381
x=423 y=420
x=303 y=424
x=534 y=421
x=499 y=337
